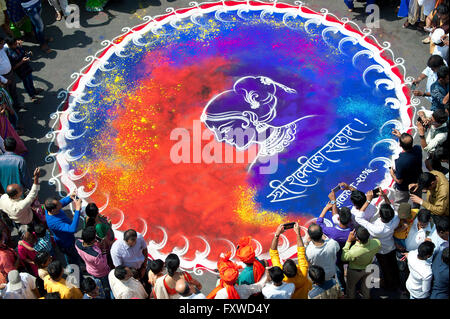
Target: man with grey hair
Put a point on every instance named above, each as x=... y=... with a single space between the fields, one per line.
x=187 y=291
x=18 y=209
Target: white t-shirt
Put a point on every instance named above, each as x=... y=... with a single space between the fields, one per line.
x=26 y=292
x=368 y=215
x=324 y=256
x=384 y=232
x=416 y=237
x=420 y=276
x=270 y=291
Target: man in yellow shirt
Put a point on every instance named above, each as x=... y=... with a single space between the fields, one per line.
x=406 y=215
x=54 y=282
x=436 y=186
x=296 y=274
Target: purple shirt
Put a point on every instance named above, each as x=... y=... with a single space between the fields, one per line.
x=337 y=233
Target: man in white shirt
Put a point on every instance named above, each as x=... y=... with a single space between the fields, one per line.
x=21 y=286
x=18 y=209
x=277 y=289
x=131 y=251
x=430 y=72
x=435 y=131
x=322 y=252
x=124 y=286
x=7 y=75
x=420 y=230
x=187 y=291
x=420 y=272
x=383 y=229
x=440 y=48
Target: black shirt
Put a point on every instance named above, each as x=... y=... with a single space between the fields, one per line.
x=408 y=167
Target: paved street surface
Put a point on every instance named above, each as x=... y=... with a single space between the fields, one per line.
x=71 y=46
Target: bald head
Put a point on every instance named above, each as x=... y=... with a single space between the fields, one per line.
x=14 y=191
x=406 y=141
x=182 y=287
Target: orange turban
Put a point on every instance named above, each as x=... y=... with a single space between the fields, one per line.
x=229 y=273
x=245 y=252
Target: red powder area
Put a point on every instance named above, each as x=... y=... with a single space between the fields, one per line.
x=187 y=199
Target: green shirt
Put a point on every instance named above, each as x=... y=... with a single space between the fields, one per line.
x=360 y=256
x=246 y=276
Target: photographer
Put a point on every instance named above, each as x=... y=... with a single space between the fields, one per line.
x=383 y=229
x=296 y=274
x=20 y=61
x=408 y=167
x=433 y=130
x=436 y=186
x=438 y=90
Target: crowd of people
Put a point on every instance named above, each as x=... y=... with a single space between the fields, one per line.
x=398 y=244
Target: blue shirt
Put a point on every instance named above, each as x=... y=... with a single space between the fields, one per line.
x=13 y=170
x=101 y=291
x=62 y=228
x=337 y=233
x=439 y=289
x=318 y=290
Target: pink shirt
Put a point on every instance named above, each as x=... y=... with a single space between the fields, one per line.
x=25 y=253
x=96 y=261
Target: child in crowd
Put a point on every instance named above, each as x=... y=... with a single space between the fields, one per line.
x=156 y=271
x=90 y=288
x=42 y=260
x=27 y=252
x=44 y=241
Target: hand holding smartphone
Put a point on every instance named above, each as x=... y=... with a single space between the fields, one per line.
x=289 y=225
x=376 y=192
x=338 y=187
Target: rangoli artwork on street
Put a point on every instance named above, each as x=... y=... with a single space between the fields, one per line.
x=227 y=118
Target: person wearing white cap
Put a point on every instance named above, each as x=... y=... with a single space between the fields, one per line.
x=20 y=286
x=438 y=39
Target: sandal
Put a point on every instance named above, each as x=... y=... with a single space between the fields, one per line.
x=426 y=40
x=35 y=99
x=58 y=16
x=406 y=24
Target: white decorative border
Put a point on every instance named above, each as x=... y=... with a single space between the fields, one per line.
x=61 y=175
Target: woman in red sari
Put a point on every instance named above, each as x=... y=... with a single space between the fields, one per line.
x=7 y=114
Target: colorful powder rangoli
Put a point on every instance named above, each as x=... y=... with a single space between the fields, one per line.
x=225 y=119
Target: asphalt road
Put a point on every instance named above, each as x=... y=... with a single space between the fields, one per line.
x=71 y=46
